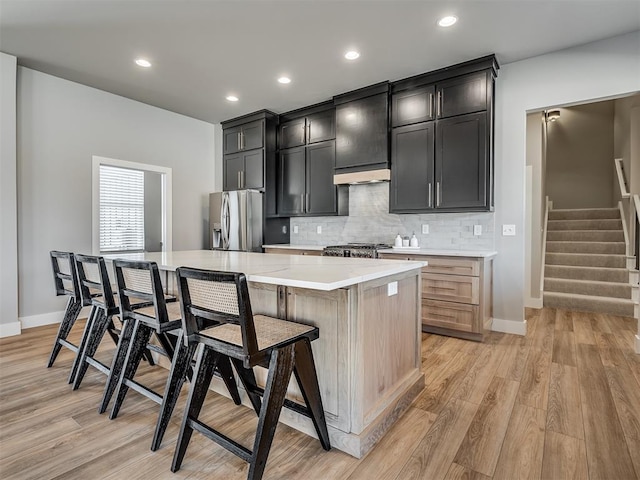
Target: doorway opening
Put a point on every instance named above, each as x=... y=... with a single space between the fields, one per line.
x=131 y=207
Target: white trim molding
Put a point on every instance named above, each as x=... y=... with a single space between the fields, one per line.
x=638 y=344
x=509 y=326
x=9 y=329
x=42 y=319
x=167 y=202
x=532 y=302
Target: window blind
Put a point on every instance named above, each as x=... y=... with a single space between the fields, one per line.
x=121 y=209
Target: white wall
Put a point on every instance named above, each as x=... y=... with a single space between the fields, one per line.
x=152 y=212
x=9 y=324
x=580 y=157
x=61 y=124
x=535 y=202
x=597 y=70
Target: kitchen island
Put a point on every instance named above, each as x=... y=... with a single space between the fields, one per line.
x=368 y=313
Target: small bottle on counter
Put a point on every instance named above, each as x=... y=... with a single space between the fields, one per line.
x=405 y=241
x=398 y=241
x=414 y=240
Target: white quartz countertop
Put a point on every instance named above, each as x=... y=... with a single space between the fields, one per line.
x=405 y=251
x=313 y=272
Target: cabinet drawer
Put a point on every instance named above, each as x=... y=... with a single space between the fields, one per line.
x=455 y=316
x=450 y=265
x=453 y=288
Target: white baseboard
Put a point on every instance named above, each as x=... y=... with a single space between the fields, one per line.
x=509 y=326
x=531 y=302
x=9 y=329
x=638 y=344
x=42 y=319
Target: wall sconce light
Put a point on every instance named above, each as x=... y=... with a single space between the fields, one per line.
x=552 y=115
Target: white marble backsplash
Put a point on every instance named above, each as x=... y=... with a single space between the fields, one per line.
x=369 y=220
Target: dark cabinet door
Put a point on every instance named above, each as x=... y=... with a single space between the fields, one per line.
x=233 y=168
x=321 y=192
x=231 y=139
x=361 y=132
x=292 y=183
x=462 y=170
x=253 y=176
x=321 y=126
x=413 y=106
x=292 y=133
x=460 y=95
x=412 y=168
x=253 y=135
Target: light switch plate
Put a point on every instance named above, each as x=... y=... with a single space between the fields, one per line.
x=477 y=230
x=295 y=229
x=508 y=230
x=319 y=229
x=425 y=229
x=392 y=289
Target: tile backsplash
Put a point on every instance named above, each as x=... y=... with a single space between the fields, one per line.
x=369 y=220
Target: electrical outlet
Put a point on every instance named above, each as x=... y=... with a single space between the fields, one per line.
x=425 y=229
x=295 y=229
x=319 y=229
x=477 y=230
x=284 y=229
x=392 y=289
x=508 y=230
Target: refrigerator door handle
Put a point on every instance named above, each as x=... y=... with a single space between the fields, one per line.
x=225 y=222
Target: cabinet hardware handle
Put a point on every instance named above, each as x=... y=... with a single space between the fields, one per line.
x=242 y=137
x=307 y=202
x=239 y=182
x=242 y=179
x=437 y=194
x=239 y=141
x=438 y=104
x=441 y=100
x=302 y=200
x=304 y=131
x=430 y=110
x=429 y=195
x=309 y=133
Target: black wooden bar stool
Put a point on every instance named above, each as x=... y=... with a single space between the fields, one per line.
x=141 y=281
x=217 y=313
x=95 y=288
x=66 y=282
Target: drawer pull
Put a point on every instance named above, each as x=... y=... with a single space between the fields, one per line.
x=442 y=315
x=435 y=287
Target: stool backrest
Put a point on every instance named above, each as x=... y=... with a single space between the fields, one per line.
x=140 y=281
x=64 y=274
x=209 y=298
x=95 y=285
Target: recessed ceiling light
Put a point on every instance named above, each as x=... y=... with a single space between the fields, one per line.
x=351 y=55
x=284 y=80
x=447 y=21
x=232 y=98
x=141 y=62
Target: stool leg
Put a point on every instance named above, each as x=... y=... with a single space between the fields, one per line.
x=98 y=329
x=117 y=363
x=224 y=367
x=86 y=334
x=280 y=368
x=205 y=366
x=248 y=379
x=70 y=316
x=179 y=365
x=305 y=372
x=137 y=346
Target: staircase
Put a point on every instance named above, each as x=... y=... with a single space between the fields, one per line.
x=586 y=262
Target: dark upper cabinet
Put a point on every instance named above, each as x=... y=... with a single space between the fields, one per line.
x=307 y=129
x=462 y=167
x=362 y=132
x=412 y=173
x=460 y=95
x=244 y=170
x=306 y=180
x=413 y=106
x=244 y=137
x=233 y=168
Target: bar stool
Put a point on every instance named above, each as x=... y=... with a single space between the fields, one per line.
x=141 y=280
x=95 y=288
x=217 y=314
x=66 y=282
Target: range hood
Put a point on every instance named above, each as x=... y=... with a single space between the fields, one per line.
x=368 y=176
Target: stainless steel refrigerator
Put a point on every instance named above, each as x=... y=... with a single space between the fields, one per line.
x=236 y=220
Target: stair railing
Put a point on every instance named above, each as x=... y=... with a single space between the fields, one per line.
x=548 y=205
x=636 y=204
x=625 y=204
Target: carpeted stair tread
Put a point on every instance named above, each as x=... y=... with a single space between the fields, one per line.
x=587 y=247
x=584 y=214
x=586 y=260
x=600 y=274
x=599 y=224
x=570 y=301
x=586 y=235
x=588 y=287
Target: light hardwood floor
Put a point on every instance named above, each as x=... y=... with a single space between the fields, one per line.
x=562 y=402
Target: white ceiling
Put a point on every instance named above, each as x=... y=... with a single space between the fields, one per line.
x=203 y=50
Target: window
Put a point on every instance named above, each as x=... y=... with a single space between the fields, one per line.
x=121 y=209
